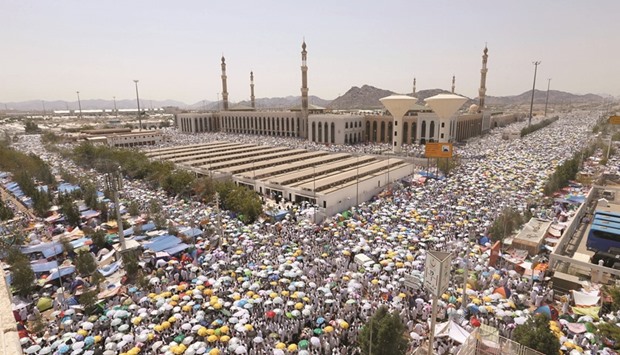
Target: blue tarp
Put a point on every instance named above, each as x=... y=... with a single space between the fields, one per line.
x=44 y=267
x=110 y=269
x=63 y=272
x=89 y=214
x=128 y=232
x=191 y=232
x=42 y=188
x=67 y=188
x=43 y=248
x=162 y=243
x=177 y=249
x=148 y=227
x=78 y=243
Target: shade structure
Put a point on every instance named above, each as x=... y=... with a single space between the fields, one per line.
x=444 y=106
x=398 y=105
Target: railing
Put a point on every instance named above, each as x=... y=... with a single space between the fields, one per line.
x=487 y=341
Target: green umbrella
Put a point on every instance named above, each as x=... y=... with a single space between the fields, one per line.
x=318 y=331
x=179 y=338
x=303 y=344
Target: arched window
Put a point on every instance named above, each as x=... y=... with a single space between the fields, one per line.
x=382 y=139
x=431 y=134
x=390 y=132
x=423 y=131
x=333 y=132
x=367 y=131
x=320 y=132
x=405 y=132
x=346 y=125
x=374 y=131
x=314 y=131
x=413 y=132
x=346 y=139
x=326 y=132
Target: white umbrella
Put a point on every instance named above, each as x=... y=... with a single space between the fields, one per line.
x=33 y=349
x=241 y=350
x=258 y=340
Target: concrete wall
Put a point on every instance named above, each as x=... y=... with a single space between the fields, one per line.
x=9 y=340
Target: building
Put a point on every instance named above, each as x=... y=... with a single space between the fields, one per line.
x=122 y=137
x=421 y=124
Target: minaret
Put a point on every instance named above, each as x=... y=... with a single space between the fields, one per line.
x=483 y=79
x=252 y=90
x=224 y=86
x=414 y=86
x=304 y=91
x=453 y=83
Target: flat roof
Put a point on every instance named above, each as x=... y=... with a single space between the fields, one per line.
x=257 y=151
x=268 y=172
x=275 y=161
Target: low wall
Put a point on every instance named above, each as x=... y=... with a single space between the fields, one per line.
x=9 y=340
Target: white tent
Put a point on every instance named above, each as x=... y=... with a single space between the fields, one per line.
x=452 y=330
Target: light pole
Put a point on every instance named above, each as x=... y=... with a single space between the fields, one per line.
x=529 y=122
x=547 y=99
x=316 y=205
x=466 y=268
x=138 y=100
x=357 y=183
x=79 y=103
x=115 y=110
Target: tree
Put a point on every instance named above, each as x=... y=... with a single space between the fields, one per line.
x=89 y=301
x=22 y=279
x=383 y=334
x=5 y=211
x=71 y=212
x=614 y=293
x=536 y=334
x=85 y=263
x=98 y=238
x=133 y=208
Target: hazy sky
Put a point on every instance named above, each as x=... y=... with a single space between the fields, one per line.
x=51 y=49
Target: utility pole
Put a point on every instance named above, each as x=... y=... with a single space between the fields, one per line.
x=79 y=103
x=138 y=100
x=114 y=181
x=529 y=122
x=115 y=110
x=547 y=99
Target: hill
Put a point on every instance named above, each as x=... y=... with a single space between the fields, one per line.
x=367 y=98
x=555 y=96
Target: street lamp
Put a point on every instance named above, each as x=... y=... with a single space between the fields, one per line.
x=470 y=237
x=79 y=103
x=547 y=99
x=138 y=100
x=529 y=122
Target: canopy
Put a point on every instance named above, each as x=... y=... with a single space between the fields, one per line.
x=452 y=330
x=44 y=266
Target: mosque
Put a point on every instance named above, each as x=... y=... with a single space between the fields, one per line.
x=420 y=125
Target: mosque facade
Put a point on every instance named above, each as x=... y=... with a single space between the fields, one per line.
x=310 y=122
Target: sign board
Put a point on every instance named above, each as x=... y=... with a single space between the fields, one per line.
x=438 y=150
x=614 y=119
x=437 y=271
x=412 y=281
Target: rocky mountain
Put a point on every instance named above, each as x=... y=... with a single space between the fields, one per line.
x=280 y=103
x=367 y=98
x=555 y=97
x=364 y=98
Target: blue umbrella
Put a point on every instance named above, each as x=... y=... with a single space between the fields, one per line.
x=89 y=340
x=63 y=349
x=320 y=320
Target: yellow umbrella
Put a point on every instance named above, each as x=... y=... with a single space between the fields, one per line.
x=134 y=351
x=292 y=347
x=212 y=338
x=328 y=329
x=280 y=346
x=215 y=351
x=217 y=306
x=249 y=327
x=285 y=293
x=165 y=325
x=273 y=295
x=172 y=319
x=82 y=332
x=299 y=305
x=344 y=325
x=224 y=329
x=224 y=338
x=186 y=308
x=97 y=338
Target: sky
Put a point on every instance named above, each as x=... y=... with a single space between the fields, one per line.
x=51 y=49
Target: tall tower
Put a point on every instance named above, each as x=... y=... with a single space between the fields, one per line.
x=453 y=83
x=224 y=86
x=304 y=91
x=483 y=79
x=414 y=86
x=252 y=90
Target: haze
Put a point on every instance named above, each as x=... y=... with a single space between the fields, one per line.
x=51 y=49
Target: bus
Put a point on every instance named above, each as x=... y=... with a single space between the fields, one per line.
x=606 y=213
x=601 y=238
x=606 y=218
x=604 y=223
